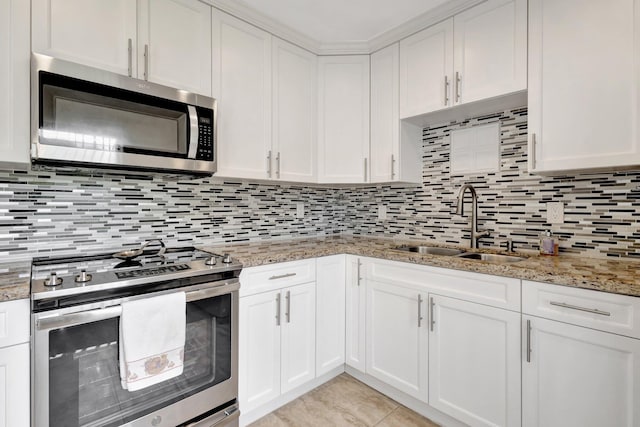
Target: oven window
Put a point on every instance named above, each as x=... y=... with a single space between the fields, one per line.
x=84 y=378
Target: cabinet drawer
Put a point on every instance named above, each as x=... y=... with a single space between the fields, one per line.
x=619 y=314
x=496 y=291
x=14 y=322
x=264 y=278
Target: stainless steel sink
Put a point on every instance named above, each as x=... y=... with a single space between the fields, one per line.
x=431 y=250
x=496 y=258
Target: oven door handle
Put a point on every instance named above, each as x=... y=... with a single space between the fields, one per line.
x=72 y=319
x=219 y=419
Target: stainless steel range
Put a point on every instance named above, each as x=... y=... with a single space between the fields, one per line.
x=76 y=304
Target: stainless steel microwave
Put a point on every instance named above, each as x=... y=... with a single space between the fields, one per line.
x=83 y=116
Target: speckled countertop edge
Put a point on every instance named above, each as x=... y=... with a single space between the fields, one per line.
x=15 y=280
x=607 y=275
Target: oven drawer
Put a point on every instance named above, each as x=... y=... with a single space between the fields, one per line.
x=254 y=280
x=14 y=322
x=619 y=314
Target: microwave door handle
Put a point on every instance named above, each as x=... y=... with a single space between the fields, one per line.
x=193 y=132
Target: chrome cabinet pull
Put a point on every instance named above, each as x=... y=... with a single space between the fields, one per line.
x=419 y=310
x=446 y=90
x=287 y=313
x=432 y=320
x=359 y=278
x=269 y=164
x=576 y=307
x=130 y=58
x=365 y=169
x=278 y=309
x=146 y=62
x=278 y=165
x=533 y=151
x=528 y=341
x=282 y=276
x=393 y=166
x=458 y=88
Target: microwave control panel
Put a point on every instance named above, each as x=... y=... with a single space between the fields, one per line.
x=206 y=137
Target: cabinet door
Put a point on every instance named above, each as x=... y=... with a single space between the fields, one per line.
x=426 y=64
x=14 y=386
x=242 y=81
x=584 y=107
x=579 y=377
x=474 y=362
x=14 y=84
x=330 y=300
x=97 y=33
x=174 y=44
x=385 y=121
x=259 y=349
x=397 y=338
x=355 y=319
x=490 y=51
x=294 y=112
x=298 y=336
x=343 y=122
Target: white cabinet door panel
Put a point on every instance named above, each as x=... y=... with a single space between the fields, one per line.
x=178 y=36
x=330 y=313
x=579 y=377
x=474 y=362
x=90 y=32
x=14 y=386
x=355 y=319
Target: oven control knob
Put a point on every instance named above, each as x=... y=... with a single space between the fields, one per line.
x=226 y=258
x=53 y=280
x=212 y=260
x=83 y=277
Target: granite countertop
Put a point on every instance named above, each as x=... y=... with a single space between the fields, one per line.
x=15 y=280
x=614 y=276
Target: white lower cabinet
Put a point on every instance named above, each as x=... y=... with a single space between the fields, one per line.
x=396 y=335
x=474 y=362
x=330 y=310
x=276 y=343
x=355 y=315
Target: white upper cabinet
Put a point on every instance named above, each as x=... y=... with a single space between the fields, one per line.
x=14 y=84
x=163 y=41
x=343 y=119
x=478 y=54
x=97 y=33
x=174 y=44
x=395 y=147
x=426 y=65
x=584 y=76
x=294 y=113
x=490 y=50
x=242 y=85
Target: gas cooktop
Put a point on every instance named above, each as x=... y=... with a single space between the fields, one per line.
x=70 y=275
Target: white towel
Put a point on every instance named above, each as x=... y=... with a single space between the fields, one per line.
x=152 y=336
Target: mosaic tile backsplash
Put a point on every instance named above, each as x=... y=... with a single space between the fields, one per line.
x=44 y=213
x=602 y=210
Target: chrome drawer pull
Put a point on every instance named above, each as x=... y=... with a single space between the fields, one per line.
x=282 y=276
x=528 y=341
x=575 y=307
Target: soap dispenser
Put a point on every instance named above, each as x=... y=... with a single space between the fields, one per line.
x=548 y=245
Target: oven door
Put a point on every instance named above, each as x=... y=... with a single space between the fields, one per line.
x=76 y=374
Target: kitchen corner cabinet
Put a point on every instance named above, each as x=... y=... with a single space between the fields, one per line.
x=14 y=364
x=474 y=362
x=144 y=39
x=14 y=84
x=395 y=146
x=343 y=119
x=396 y=336
x=584 y=107
x=478 y=54
x=355 y=314
x=330 y=305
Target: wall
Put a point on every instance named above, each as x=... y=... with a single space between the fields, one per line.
x=602 y=211
x=44 y=213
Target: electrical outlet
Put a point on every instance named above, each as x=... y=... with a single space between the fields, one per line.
x=555 y=212
x=300 y=210
x=382 y=212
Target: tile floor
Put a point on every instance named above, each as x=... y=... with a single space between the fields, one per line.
x=342 y=402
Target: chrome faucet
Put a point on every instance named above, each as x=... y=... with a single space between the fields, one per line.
x=475 y=233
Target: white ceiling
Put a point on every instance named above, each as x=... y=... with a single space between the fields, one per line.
x=342 y=21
